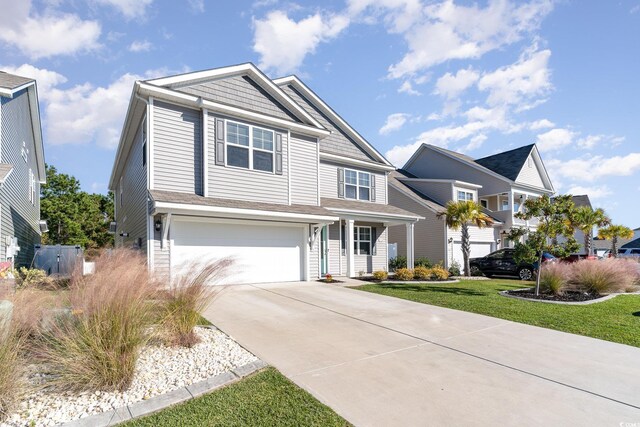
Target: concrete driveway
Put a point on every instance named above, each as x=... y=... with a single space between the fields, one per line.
x=381 y=361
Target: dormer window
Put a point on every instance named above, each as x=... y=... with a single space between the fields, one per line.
x=357 y=185
x=464 y=196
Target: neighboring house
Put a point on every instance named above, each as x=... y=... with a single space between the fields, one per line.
x=227 y=162
x=578 y=201
x=434 y=176
x=602 y=247
x=22 y=169
x=633 y=244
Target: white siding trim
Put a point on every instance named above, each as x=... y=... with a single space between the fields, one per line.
x=205 y=155
x=150 y=140
x=305 y=253
x=318 y=171
x=150 y=238
x=289 y=167
x=340 y=247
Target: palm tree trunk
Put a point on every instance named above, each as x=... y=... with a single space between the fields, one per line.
x=587 y=243
x=466 y=249
x=614 y=246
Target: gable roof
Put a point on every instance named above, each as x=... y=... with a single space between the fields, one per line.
x=10 y=84
x=394 y=179
x=508 y=163
x=581 y=200
x=324 y=108
x=632 y=244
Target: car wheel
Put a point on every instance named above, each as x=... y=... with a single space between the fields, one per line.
x=525 y=273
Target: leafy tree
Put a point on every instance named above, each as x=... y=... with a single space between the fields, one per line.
x=555 y=219
x=459 y=215
x=584 y=219
x=74 y=217
x=615 y=232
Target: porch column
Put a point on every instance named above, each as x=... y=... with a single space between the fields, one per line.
x=351 y=265
x=410 y=248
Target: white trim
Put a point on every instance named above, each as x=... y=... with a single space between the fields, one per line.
x=305 y=254
x=205 y=152
x=340 y=247
x=249 y=147
x=197 y=102
x=247 y=68
x=150 y=239
x=288 y=167
x=356 y=248
x=150 y=151
x=348 y=249
x=318 y=175
x=452 y=181
x=386 y=188
x=374 y=214
x=8 y=93
x=362 y=163
x=166 y=207
x=482 y=199
x=319 y=103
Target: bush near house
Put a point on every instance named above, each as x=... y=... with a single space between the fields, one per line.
x=439 y=273
x=397 y=262
x=404 y=274
x=423 y=262
x=380 y=275
x=422 y=273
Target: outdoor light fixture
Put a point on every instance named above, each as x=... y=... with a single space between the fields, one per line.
x=124 y=234
x=450 y=239
x=158 y=225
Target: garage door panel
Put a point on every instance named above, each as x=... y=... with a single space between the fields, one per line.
x=478 y=249
x=261 y=253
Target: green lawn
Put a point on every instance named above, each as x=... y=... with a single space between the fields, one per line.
x=264 y=399
x=616 y=320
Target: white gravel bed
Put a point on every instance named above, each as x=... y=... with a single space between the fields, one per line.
x=159 y=370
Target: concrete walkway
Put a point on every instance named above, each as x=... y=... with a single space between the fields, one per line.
x=381 y=361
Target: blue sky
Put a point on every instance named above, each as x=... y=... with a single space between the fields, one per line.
x=478 y=77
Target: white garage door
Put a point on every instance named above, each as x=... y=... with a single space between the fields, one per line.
x=261 y=253
x=478 y=249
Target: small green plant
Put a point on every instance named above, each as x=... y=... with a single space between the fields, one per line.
x=422 y=262
x=328 y=278
x=404 y=274
x=28 y=277
x=454 y=269
x=360 y=274
x=422 y=273
x=380 y=275
x=397 y=262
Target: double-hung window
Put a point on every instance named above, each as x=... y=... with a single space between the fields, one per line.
x=362 y=240
x=464 y=195
x=357 y=185
x=250 y=147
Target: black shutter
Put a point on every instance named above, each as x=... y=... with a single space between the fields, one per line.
x=341 y=183
x=372 y=197
x=374 y=238
x=220 y=142
x=343 y=239
x=278 y=165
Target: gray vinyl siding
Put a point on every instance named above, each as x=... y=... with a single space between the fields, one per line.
x=441 y=192
x=530 y=175
x=434 y=165
x=428 y=233
x=304 y=172
x=329 y=181
x=132 y=214
x=19 y=217
x=177 y=148
x=338 y=142
x=242 y=92
x=370 y=263
x=244 y=184
x=161 y=256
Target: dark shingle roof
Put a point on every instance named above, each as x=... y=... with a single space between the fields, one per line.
x=194 y=199
x=11 y=81
x=509 y=163
x=632 y=244
x=606 y=243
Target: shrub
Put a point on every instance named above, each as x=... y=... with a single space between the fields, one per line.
x=422 y=262
x=404 y=274
x=554 y=277
x=328 y=278
x=188 y=296
x=380 y=275
x=96 y=344
x=422 y=273
x=454 y=270
x=439 y=273
x=11 y=368
x=605 y=276
x=32 y=277
x=397 y=262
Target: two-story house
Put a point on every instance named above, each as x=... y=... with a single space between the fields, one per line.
x=229 y=163
x=22 y=169
x=434 y=176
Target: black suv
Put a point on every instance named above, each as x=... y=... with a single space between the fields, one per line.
x=501 y=263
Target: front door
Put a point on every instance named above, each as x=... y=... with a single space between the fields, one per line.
x=324 y=251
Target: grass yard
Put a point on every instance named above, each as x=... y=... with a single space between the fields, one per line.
x=264 y=399
x=616 y=320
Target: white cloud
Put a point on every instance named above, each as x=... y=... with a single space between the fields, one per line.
x=541 y=124
x=394 y=122
x=475 y=143
x=591 y=168
x=407 y=87
x=46 y=80
x=526 y=79
x=140 y=46
x=555 y=139
x=47 y=34
x=594 y=193
x=283 y=43
x=197 y=5
x=129 y=8
x=589 y=141
x=443 y=31
x=450 y=85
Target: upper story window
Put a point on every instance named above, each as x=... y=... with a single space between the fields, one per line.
x=484 y=203
x=357 y=185
x=249 y=147
x=464 y=195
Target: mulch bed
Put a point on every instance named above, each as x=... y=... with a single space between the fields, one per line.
x=330 y=281
x=566 y=297
x=394 y=280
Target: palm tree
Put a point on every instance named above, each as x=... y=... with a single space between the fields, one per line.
x=585 y=218
x=615 y=232
x=459 y=215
